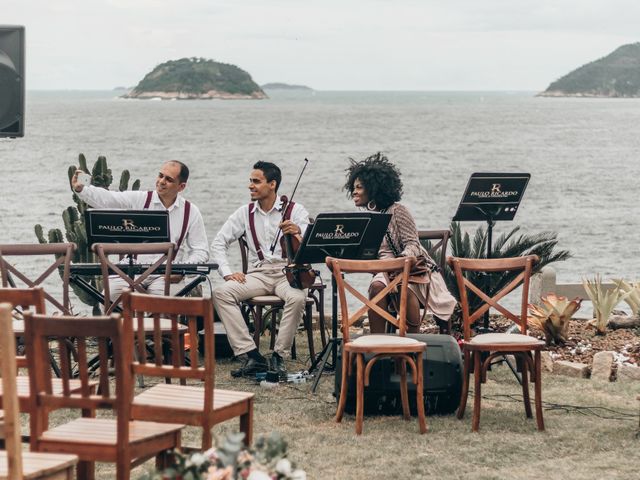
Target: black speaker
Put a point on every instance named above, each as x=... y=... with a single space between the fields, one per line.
x=11 y=81
x=442 y=363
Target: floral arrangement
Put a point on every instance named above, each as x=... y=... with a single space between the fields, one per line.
x=232 y=461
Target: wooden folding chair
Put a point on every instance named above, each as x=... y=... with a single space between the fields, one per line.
x=264 y=309
x=480 y=350
x=437 y=250
x=199 y=405
x=403 y=349
x=14 y=463
x=31 y=299
x=116 y=440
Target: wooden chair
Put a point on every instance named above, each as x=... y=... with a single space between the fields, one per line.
x=437 y=250
x=404 y=349
x=31 y=299
x=199 y=405
x=117 y=440
x=14 y=463
x=264 y=309
x=480 y=350
x=436 y=243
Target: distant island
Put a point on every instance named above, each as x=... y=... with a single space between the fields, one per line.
x=196 y=79
x=284 y=86
x=616 y=75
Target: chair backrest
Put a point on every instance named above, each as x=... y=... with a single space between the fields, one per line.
x=11 y=421
x=98 y=337
x=170 y=362
x=400 y=266
x=103 y=250
x=25 y=299
x=437 y=250
x=63 y=253
x=523 y=265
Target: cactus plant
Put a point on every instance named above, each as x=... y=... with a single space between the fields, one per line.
x=633 y=298
x=604 y=301
x=73 y=220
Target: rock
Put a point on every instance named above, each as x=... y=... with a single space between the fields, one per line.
x=571 y=369
x=547 y=361
x=602 y=365
x=624 y=321
x=628 y=373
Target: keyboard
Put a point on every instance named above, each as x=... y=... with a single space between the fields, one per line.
x=86 y=269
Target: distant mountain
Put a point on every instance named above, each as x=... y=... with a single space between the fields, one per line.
x=284 y=86
x=616 y=75
x=196 y=78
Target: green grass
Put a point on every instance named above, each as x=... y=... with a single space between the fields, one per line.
x=577 y=444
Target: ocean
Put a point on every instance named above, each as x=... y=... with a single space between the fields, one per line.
x=582 y=155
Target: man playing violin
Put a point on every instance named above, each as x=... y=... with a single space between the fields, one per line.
x=259 y=222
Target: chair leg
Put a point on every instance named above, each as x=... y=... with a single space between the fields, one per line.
x=308 y=326
x=401 y=366
x=537 y=376
x=86 y=470
x=465 y=384
x=359 y=392
x=246 y=424
x=342 y=401
x=257 y=325
x=477 y=394
x=525 y=384
x=419 y=382
x=321 y=324
x=207 y=439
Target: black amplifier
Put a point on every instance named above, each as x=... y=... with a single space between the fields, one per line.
x=442 y=364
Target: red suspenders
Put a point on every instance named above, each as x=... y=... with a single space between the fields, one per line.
x=185 y=219
x=252 y=226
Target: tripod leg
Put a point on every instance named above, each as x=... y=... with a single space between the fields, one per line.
x=322 y=358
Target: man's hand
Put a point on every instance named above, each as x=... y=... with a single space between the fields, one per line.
x=75 y=184
x=236 y=277
x=290 y=228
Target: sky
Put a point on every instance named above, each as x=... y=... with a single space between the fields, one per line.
x=473 y=45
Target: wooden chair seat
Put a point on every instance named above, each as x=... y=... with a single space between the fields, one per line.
x=180 y=402
x=391 y=341
x=101 y=432
x=23 y=388
x=42 y=465
x=502 y=339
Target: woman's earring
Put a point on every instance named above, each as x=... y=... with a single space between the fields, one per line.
x=371 y=205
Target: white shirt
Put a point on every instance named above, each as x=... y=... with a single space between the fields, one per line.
x=195 y=246
x=266 y=224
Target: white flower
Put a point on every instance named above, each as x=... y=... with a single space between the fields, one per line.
x=258 y=475
x=298 y=475
x=283 y=467
x=197 y=459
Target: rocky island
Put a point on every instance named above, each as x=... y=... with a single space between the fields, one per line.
x=284 y=86
x=616 y=75
x=196 y=79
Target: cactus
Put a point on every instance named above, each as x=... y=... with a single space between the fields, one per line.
x=73 y=220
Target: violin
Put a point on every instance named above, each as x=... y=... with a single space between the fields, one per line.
x=298 y=275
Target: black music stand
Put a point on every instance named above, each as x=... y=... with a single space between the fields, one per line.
x=492 y=197
x=355 y=236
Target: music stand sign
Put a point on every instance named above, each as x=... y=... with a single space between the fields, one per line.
x=127 y=226
x=494 y=196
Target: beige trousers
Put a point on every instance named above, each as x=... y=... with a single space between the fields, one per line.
x=228 y=296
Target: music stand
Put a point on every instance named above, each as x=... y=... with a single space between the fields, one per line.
x=355 y=236
x=492 y=197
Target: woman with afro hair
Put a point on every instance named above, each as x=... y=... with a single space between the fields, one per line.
x=374 y=184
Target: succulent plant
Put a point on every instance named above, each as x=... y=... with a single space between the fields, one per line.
x=553 y=316
x=73 y=221
x=633 y=299
x=604 y=301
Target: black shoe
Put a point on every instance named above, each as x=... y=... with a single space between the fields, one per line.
x=276 y=364
x=250 y=368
